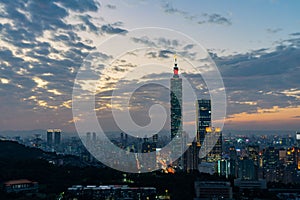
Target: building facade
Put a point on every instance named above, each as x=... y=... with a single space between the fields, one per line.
x=21 y=185
x=176 y=117
x=176 y=102
x=213 y=190
x=203 y=108
x=110 y=192
x=49 y=137
x=57 y=136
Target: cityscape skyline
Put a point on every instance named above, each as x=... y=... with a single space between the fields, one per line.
x=149 y=100
x=39 y=65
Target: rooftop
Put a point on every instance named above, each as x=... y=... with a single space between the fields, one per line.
x=20 y=181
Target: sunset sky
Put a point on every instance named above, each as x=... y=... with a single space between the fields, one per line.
x=255 y=45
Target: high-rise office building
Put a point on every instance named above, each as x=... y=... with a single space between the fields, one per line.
x=203 y=121
x=88 y=136
x=57 y=136
x=298 y=159
x=214 y=146
x=253 y=153
x=227 y=167
x=88 y=139
x=204 y=129
x=94 y=138
x=270 y=164
x=233 y=153
x=149 y=162
x=191 y=157
x=270 y=157
x=49 y=137
x=203 y=108
x=298 y=139
x=176 y=102
x=148 y=146
x=247 y=169
x=155 y=138
x=212 y=190
x=176 y=116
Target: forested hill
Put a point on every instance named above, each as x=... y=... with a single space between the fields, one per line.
x=14 y=150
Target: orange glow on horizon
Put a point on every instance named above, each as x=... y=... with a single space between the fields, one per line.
x=272 y=115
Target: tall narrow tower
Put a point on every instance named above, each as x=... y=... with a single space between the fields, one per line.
x=176 y=102
x=203 y=108
x=57 y=137
x=50 y=137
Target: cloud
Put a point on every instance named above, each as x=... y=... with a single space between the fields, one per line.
x=262 y=78
x=293 y=92
x=100 y=55
x=273 y=31
x=40 y=54
x=288 y=43
x=265 y=120
x=168 y=46
x=274 y=109
x=165 y=53
x=110 y=6
x=4 y=80
x=189 y=46
x=138 y=106
x=168 y=42
x=168 y=8
x=80 y=6
x=144 y=40
x=205 y=18
x=247 y=65
x=295 y=34
x=152 y=54
x=42 y=50
x=251 y=103
x=87 y=22
x=110 y=29
x=215 y=19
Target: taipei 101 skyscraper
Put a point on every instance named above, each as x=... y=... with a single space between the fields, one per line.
x=176 y=116
x=176 y=102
